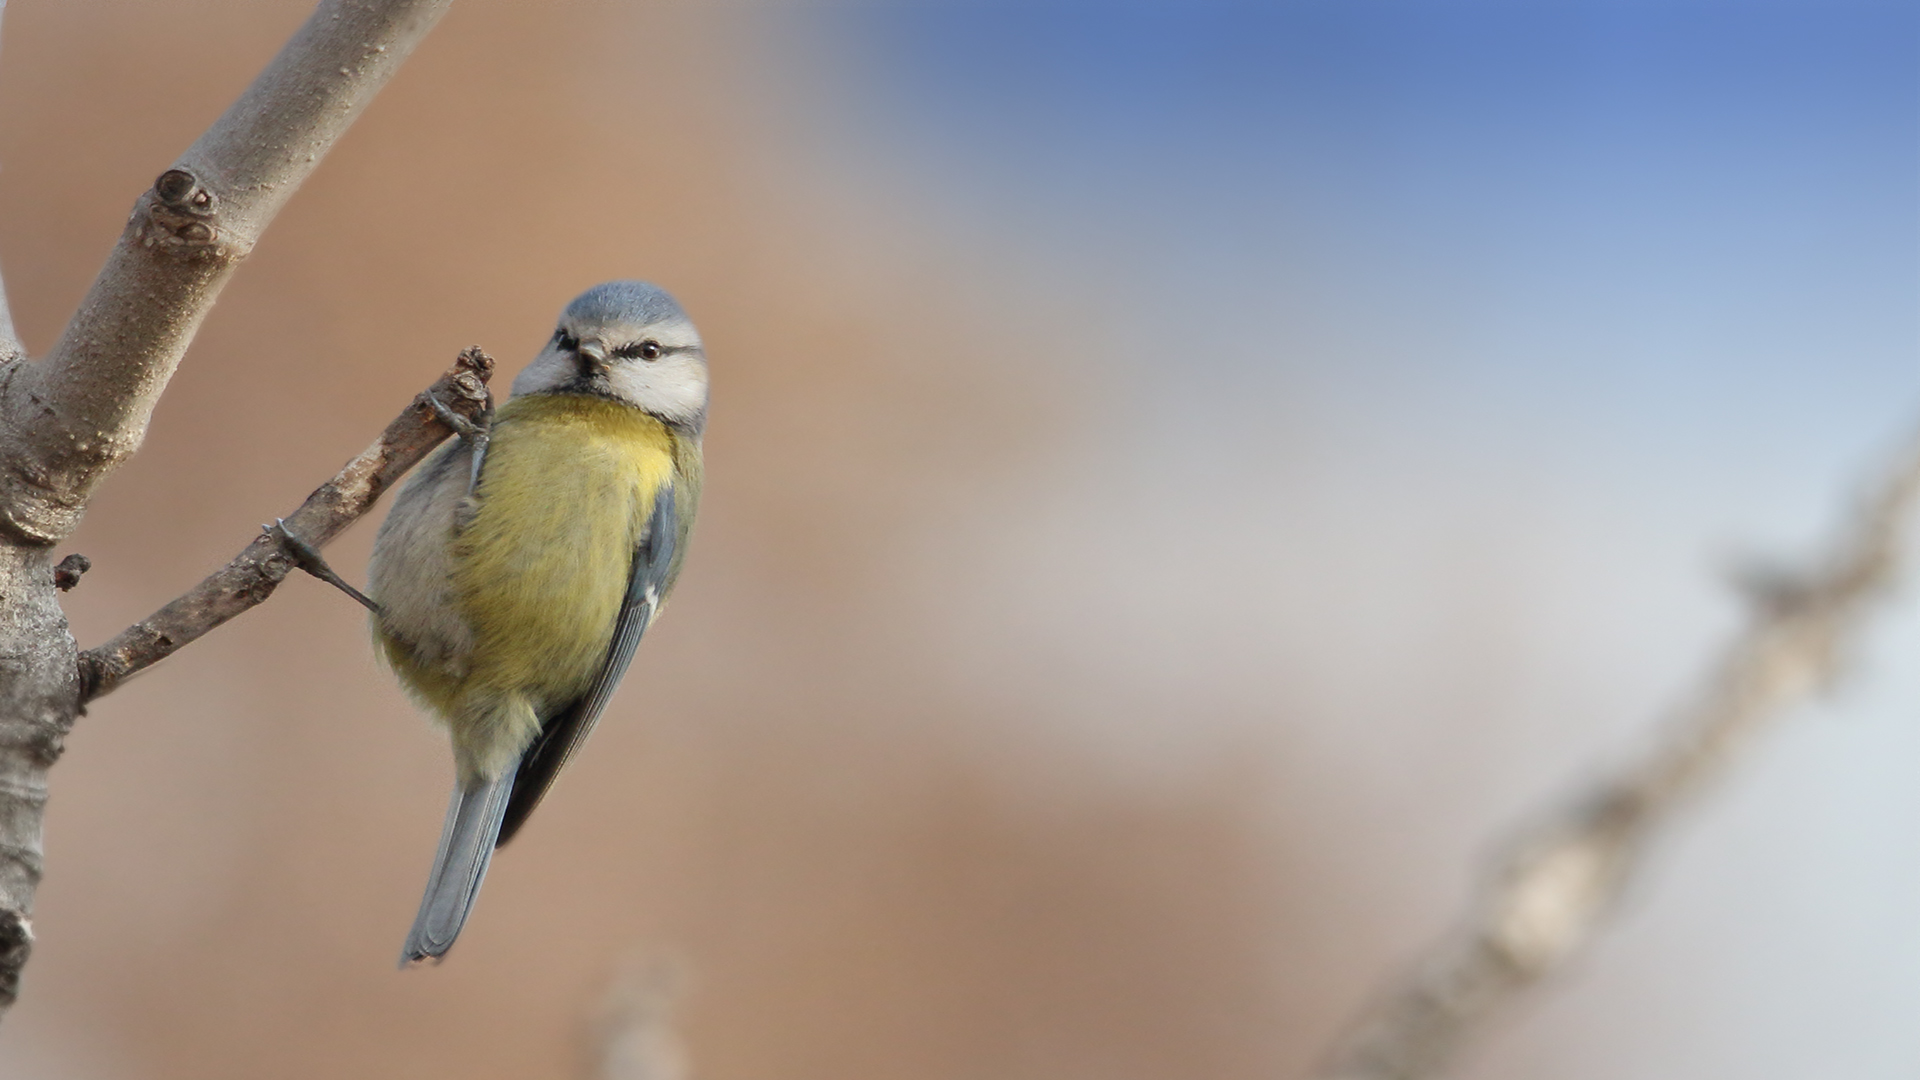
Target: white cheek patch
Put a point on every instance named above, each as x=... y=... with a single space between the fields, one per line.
x=674 y=387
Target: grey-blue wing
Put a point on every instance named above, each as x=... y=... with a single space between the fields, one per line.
x=564 y=731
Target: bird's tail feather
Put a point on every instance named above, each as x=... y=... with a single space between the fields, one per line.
x=466 y=847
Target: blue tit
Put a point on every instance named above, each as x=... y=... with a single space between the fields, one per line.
x=514 y=576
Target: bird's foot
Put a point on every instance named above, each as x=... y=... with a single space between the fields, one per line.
x=306 y=558
x=475 y=433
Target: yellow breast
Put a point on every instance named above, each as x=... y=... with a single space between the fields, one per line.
x=541 y=570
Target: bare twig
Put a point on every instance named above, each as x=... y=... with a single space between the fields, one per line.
x=1558 y=885
x=254 y=573
x=69 y=420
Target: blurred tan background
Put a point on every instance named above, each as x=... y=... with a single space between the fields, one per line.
x=956 y=758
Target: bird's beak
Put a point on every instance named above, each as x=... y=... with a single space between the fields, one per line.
x=593 y=358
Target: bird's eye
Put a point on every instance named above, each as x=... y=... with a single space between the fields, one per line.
x=645 y=350
x=566 y=341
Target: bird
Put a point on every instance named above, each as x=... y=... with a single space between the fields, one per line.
x=519 y=566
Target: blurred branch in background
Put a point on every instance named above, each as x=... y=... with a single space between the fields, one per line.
x=73 y=417
x=633 y=1036
x=1555 y=889
x=254 y=573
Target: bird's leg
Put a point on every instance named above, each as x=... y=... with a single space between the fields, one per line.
x=476 y=433
x=306 y=558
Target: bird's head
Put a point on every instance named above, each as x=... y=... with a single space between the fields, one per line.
x=627 y=341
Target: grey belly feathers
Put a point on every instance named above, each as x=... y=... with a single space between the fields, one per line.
x=412 y=575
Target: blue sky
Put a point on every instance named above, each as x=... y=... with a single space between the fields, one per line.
x=1673 y=209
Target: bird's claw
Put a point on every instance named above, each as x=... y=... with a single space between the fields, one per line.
x=306 y=558
x=462 y=426
x=475 y=433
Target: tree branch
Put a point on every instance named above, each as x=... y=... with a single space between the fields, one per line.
x=68 y=421
x=1557 y=887
x=74 y=417
x=260 y=567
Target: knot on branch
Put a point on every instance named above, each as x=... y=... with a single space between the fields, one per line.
x=178 y=189
x=67 y=574
x=182 y=213
x=16 y=941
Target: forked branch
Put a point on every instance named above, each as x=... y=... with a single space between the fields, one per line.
x=259 y=568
